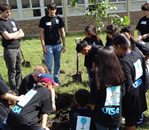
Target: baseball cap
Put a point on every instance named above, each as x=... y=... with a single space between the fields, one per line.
x=45 y=77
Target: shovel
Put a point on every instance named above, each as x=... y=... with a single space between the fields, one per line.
x=77 y=77
x=25 y=63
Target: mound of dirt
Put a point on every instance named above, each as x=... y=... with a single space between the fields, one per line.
x=63 y=104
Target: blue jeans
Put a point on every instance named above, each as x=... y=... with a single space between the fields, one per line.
x=53 y=51
x=12 y=59
x=100 y=127
x=4 y=125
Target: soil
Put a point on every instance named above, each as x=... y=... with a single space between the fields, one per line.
x=60 y=121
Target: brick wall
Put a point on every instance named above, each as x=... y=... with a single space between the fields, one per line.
x=75 y=24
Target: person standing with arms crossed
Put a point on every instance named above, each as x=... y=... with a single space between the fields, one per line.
x=50 y=26
x=11 y=34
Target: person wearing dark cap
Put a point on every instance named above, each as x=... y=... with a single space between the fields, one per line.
x=25 y=115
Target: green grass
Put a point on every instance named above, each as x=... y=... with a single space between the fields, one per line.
x=32 y=51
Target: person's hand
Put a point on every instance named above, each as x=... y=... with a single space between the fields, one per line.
x=53 y=106
x=20 y=97
x=144 y=36
x=139 y=38
x=146 y=57
x=63 y=48
x=45 y=50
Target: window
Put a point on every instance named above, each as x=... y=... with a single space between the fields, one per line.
x=3 y=1
x=136 y=4
x=58 y=5
x=13 y=4
x=79 y=10
x=31 y=8
x=120 y=4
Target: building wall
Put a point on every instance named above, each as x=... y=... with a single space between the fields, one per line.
x=75 y=24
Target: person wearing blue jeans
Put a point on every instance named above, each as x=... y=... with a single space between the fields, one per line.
x=50 y=26
x=53 y=51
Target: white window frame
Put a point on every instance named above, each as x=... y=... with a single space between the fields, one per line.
x=42 y=10
x=78 y=14
x=139 y=9
x=58 y=6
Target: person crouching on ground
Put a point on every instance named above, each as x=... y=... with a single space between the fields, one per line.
x=25 y=115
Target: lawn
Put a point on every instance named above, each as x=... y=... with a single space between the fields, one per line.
x=32 y=51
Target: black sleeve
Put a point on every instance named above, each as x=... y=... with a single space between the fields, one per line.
x=2 y=27
x=41 y=23
x=101 y=43
x=23 y=87
x=3 y=86
x=128 y=76
x=47 y=103
x=142 y=48
x=138 y=27
x=93 y=92
x=61 y=23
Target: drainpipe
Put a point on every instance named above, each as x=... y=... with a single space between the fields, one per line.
x=128 y=8
x=65 y=15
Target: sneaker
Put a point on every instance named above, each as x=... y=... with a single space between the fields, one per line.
x=58 y=82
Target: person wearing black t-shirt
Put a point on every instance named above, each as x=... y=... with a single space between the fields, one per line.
x=106 y=90
x=25 y=115
x=92 y=38
x=4 y=97
x=145 y=51
x=81 y=116
x=132 y=61
x=90 y=52
x=111 y=31
x=11 y=34
x=143 y=25
x=31 y=80
x=50 y=26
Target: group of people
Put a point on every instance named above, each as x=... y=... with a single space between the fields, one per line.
x=117 y=77
x=116 y=72
x=34 y=100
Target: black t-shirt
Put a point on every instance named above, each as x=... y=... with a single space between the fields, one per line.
x=3 y=86
x=10 y=26
x=143 y=27
x=26 y=84
x=142 y=48
x=90 y=58
x=78 y=114
x=107 y=102
x=4 y=110
x=134 y=100
x=25 y=115
x=51 y=26
x=108 y=41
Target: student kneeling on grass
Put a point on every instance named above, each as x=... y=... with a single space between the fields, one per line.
x=6 y=98
x=81 y=116
x=25 y=115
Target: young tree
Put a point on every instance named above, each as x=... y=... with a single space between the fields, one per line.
x=100 y=11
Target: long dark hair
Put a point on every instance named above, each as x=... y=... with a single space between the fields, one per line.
x=113 y=30
x=124 y=41
x=108 y=71
x=91 y=30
